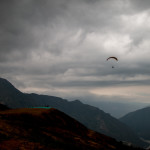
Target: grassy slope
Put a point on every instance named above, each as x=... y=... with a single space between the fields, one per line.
x=35 y=128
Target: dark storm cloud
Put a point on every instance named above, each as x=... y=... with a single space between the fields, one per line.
x=140 y=5
x=65 y=43
x=21 y=20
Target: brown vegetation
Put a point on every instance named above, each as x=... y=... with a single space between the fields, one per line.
x=49 y=129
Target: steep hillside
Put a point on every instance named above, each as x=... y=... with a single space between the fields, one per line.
x=90 y=116
x=46 y=129
x=12 y=97
x=139 y=121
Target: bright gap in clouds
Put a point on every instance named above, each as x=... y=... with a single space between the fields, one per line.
x=136 y=93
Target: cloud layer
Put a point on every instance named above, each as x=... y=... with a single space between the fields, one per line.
x=60 y=47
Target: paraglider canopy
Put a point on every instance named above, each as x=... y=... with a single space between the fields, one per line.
x=112 y=57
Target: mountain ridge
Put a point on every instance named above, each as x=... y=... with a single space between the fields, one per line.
x=90 y=116
x=139 y=121
x=36 y=128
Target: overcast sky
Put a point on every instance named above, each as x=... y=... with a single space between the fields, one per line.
x=60 y=47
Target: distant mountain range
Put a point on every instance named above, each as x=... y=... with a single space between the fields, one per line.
x=117 y=107
x=36 y=129
x=90 y=116
x=139 y=121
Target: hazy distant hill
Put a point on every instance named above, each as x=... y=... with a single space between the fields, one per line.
x=139 y=121
x=90 y=116
x=45 y=129
x=115 y=107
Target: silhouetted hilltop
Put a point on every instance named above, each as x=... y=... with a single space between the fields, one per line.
x=12 y=97
x=7 y=88
x=34 y=128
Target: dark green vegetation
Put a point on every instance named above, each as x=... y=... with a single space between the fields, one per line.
x=50 y=129
x=42 y=107
x=139 y=121
x=90 y=116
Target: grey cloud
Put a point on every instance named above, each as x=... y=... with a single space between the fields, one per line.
x=21 y=20
x=140 y=5
x=58 y=43
x=91 y=84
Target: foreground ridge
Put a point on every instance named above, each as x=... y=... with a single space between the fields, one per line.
x=37 y=128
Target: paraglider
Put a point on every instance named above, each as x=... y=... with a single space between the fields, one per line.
x=112 y=57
